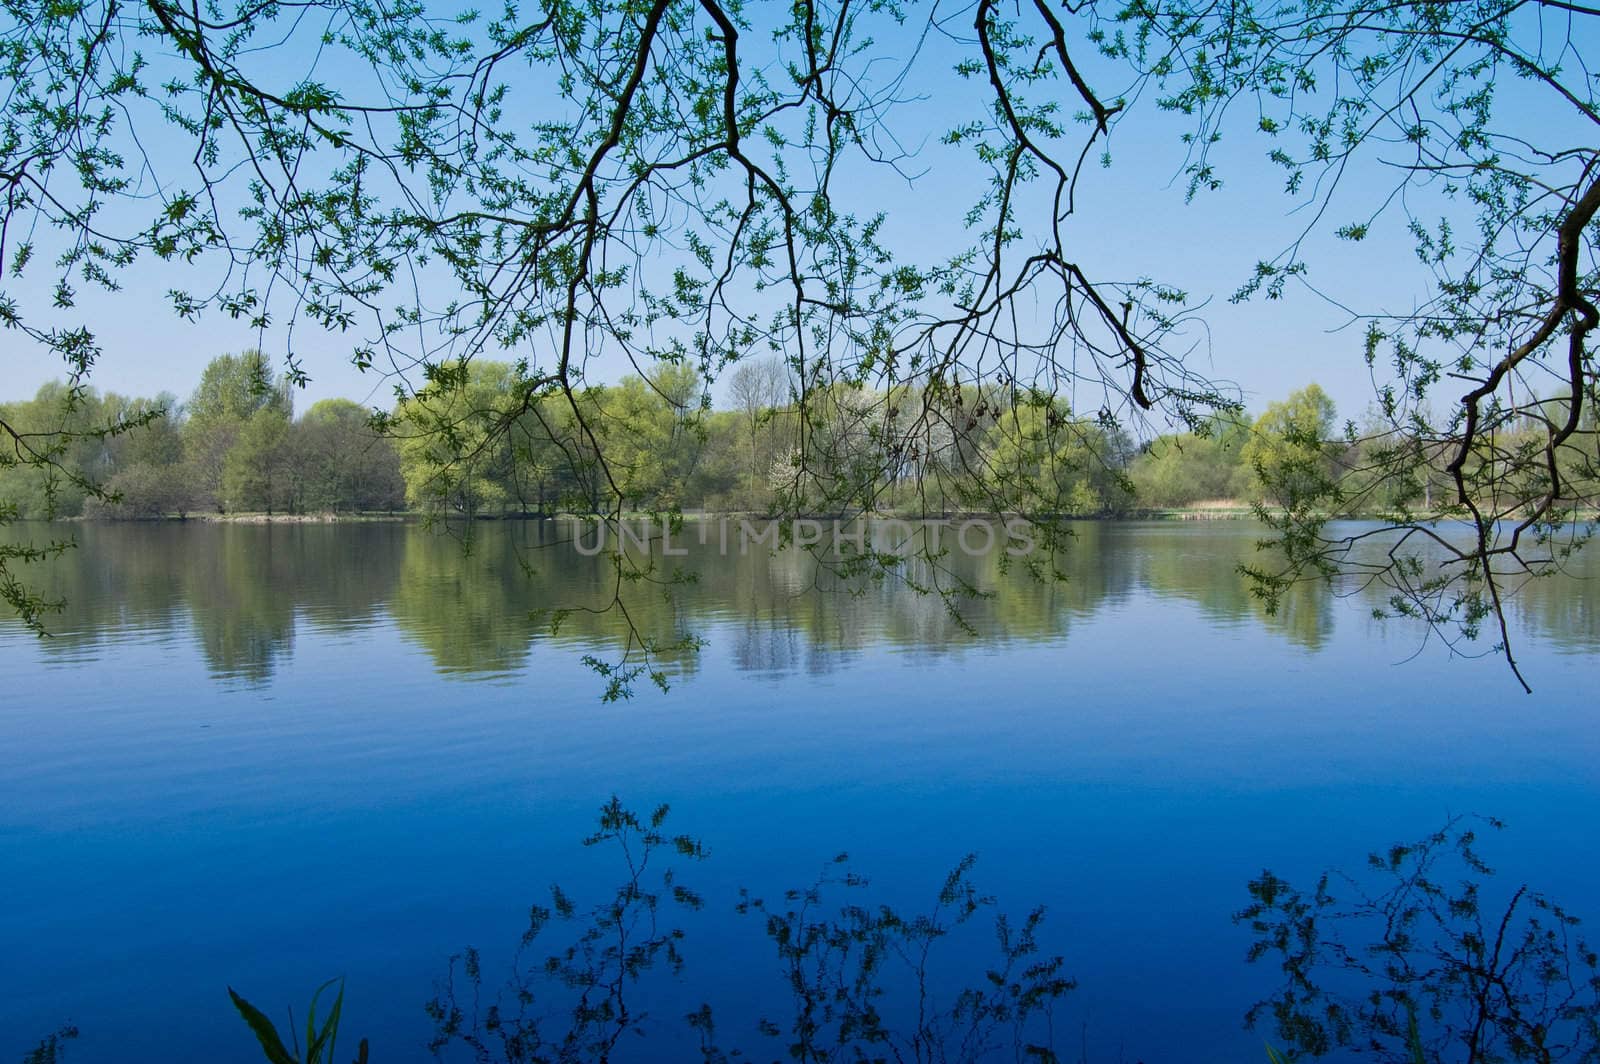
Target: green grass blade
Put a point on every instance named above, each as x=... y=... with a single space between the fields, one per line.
x=320 y=1044
x=1414 y=1039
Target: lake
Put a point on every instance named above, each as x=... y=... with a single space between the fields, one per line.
x=265 y=756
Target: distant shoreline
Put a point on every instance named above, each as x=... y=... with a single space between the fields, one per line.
x=1239 y=512
x=241 y=519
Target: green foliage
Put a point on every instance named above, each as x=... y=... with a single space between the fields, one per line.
x=53 y=451
x=484 y=439
x=340 y=462
x=1290 y=450
x=236 y=392
x=233 y=447
x=1186 y=468
x=258 y=470
x=66 y=442
x=1294 y=465
x=481 y=443
x=1048 y=463
x=234 y=388
x=321 y=1038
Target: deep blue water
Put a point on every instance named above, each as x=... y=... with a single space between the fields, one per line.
x=265 y=757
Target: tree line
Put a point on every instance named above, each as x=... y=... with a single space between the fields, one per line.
x=471 y=443
x=233 y=446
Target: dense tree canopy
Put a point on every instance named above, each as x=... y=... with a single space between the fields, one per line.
x=1289 y=450
x=232 y=446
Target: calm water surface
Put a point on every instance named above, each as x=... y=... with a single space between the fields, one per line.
x=264 y=756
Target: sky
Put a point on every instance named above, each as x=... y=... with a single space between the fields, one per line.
x=1133 y=221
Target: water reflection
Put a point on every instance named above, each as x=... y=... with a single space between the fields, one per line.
x=1128 y=745
x=242 y=592
x=1201 y=565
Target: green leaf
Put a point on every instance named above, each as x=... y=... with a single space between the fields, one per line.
x=265 y=1032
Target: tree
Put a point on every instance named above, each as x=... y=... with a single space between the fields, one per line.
x=452 y=457
x=147 y=490
x=343 y=464
x=720 y=479
x=758 y=388
x=1056 y=463
x=145 y=471
x=1185 y=468
x=650 y=432
x=41 y=489
x=1289 y=450
x=233 y=389
x=49 y=451
x=258 y=472
x=90 y=437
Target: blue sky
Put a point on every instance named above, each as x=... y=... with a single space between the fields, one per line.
x=1133 y=221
